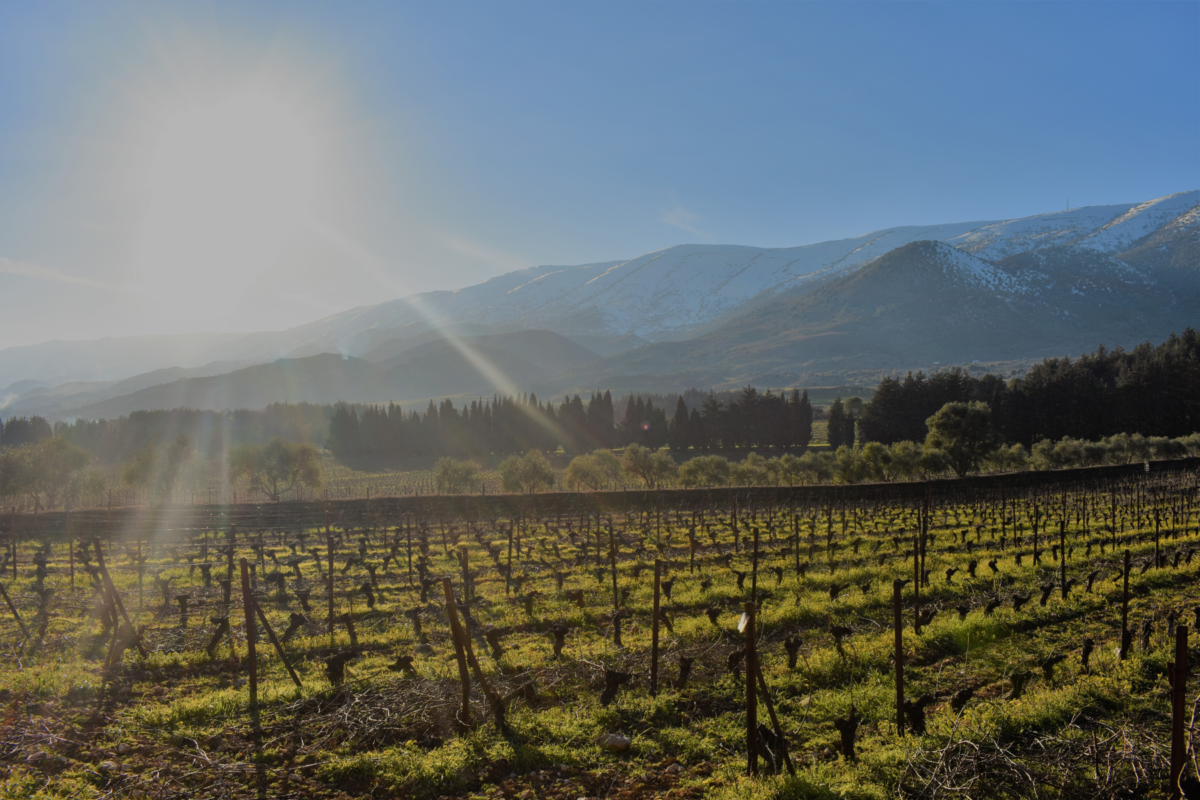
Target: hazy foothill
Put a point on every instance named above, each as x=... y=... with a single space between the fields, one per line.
x=313 y=485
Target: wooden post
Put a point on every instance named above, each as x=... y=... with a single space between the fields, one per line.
x=917 y=586
x=1062 y=554
x=924 y=538
x=612 y=556
x=898 y=624
x=251 y=653
x=456 y=634
x=329 y=545
x=1036 y=519
x=751 y=695
x=464 y=557
x=1113 y=519
x=654 y=631
x=754 y=569
x=1178 y=675
x=508 y=575
x=796 y=536
x=1156 y=521
x=1125 y=608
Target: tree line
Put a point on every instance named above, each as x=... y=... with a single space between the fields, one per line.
x=505 y=425
x=1149 y=390
x=952 y=448
x=210 y=433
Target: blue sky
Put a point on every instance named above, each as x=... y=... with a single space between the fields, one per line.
x=433 y=145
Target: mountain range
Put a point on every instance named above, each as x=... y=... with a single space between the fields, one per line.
x=913 y=297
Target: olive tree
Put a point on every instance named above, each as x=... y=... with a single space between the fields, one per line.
x=599 y=469
x=528 y=473
x=455 y=477
x=276 y=467
x=652 y=467
x=705 y=471
x=963 y=431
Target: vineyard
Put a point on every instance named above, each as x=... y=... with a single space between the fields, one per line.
x=993 y=637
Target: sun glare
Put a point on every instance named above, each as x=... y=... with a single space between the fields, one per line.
x=230 y=183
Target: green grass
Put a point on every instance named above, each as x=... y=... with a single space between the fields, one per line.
x=185 y=714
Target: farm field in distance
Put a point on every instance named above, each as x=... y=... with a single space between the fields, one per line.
x=1017 y=685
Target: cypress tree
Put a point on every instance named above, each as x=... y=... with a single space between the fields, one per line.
x=841 y=426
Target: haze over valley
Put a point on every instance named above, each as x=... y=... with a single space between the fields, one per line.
x=1005 y=293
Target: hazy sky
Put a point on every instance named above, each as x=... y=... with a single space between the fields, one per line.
x=221 y=166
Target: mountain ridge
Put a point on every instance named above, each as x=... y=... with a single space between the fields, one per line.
x=685 y=311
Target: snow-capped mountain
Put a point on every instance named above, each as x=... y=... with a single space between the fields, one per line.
x=1109 y=229
x=1127 y=268
x=673 y=293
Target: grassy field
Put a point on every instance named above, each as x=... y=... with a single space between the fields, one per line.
x=177 y=721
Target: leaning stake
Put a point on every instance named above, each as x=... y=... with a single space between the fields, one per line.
x=13 y=609
x=112 y=590
x=274 y=641
x=456 y=634
x=248 y=607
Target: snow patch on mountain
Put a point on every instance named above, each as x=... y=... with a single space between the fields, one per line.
x=1003 y=239
x=1141 y=221
x=974 y=271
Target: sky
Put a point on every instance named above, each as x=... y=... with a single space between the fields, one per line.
x=188 y=167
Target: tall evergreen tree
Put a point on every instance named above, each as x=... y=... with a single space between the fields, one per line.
x=840 y=426
x=800 y=417
x=681 y=434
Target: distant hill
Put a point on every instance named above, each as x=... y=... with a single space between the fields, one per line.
x=926 y=304
x=442 y=367
x=902 y=298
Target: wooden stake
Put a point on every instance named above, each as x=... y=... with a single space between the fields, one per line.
x=329 y=545
x=1062 y=553
x=612 y=556
x=751 y=695
x=112 y=590
x=456 y=634
x=1178 y=674
x=251 y=652
x=508 y=576
x=1125 y=608
x=898 y=624
x=274 y=641
x=917 y=586
x=654 y=631
x=766 y=695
